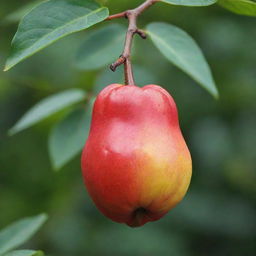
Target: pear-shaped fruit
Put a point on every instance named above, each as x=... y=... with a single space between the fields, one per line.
x=136 y=165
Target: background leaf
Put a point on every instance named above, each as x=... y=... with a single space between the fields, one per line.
x=19 y=232
x=24 y=253
x=68 y=137
x=244 y=7
x=190 y=2
x=179 y=48
x=17 y=15
x=51 y=21
x=101 y=47
x=47 y=107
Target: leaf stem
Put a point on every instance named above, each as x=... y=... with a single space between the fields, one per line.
x=125 y=57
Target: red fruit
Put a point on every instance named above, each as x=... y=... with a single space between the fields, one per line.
x=136 y=165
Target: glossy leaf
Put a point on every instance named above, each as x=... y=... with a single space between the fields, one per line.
x=48 y=107
x=190 y=2
x=179 y=48
x=24 y=253
x=244 y=7
x=51 y=21
x=19 y=232
x=68 y=137
x=101 y=47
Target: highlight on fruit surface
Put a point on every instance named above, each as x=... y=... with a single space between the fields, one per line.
x=136 y=164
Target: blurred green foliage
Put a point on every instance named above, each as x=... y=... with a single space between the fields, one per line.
x=218 y=215
x=18 y=233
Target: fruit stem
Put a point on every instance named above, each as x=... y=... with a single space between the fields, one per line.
x=125 y=57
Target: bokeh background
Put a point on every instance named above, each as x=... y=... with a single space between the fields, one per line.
x=218 y=215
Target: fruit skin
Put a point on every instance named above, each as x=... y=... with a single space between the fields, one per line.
x=136 y=165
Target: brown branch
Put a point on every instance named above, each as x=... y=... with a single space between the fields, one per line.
x=116 y=16
x=125 y=57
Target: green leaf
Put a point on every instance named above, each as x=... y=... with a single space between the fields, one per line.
x=48 y=107
x=179 y=48
x=244 y=7
x=19 y=232
x=51 y=21
x=190 y=2
x=101 y=47
x=24 y=253
x=68 y=137
x=17 y=15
